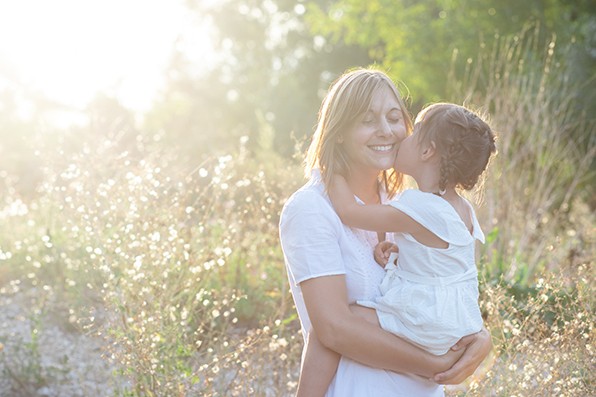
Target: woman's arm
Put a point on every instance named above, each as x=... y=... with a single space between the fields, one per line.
x=342 y=331
x=381 y=218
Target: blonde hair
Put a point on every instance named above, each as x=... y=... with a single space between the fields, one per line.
x=348 y=98
x=463 y=139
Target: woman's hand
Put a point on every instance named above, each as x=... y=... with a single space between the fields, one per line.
x=477 y=347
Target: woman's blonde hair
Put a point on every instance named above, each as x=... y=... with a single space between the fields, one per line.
x=348 y=98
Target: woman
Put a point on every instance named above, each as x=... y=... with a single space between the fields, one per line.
x=362 y=121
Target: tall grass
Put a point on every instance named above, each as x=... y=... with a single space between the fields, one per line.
x=543 y=337
x=176 y=266
x=546 y=147
x=537 y=265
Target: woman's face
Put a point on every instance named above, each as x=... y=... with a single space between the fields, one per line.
x=373 y=141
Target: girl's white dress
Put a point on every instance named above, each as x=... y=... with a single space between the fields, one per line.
x=316 y=244
x=431 y=296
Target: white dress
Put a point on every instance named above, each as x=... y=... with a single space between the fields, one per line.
x=431 y=296
x=317 y=244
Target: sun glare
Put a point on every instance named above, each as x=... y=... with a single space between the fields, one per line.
x=69 y=50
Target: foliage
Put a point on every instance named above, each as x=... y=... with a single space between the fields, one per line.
x=543 y=165
x=276 y=58
x=269 y=67
x=25 y=368
x=165 y=261
x=543 y=336
x=179 y=271
x=416 y=40
x=161 y=240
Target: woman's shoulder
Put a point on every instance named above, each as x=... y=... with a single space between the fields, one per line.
x=308 y=213
x=309 y=198
x=310 y=193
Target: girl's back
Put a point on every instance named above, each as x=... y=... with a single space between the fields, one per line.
x=440 y=218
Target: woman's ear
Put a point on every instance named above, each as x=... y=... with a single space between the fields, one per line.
x=429 y=151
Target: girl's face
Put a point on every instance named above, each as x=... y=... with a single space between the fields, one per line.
x=407 y=157
x=373 y=141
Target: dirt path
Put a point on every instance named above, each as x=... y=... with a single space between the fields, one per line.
x=39 y=358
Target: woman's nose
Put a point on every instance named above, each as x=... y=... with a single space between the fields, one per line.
x=385 y=128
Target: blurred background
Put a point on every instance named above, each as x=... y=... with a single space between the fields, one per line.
x=147 y=147
x=207 y=72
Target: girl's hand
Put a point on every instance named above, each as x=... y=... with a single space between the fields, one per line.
x=382 y=252
x=477 y=347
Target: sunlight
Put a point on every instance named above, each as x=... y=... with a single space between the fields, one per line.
x=69 y=50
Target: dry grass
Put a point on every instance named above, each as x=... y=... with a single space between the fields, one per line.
x=546 y=148
x=177 y=268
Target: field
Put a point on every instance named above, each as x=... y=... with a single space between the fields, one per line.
x=129 y=267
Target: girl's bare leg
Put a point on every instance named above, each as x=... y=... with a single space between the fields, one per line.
x=318 y=368
x=366 y=313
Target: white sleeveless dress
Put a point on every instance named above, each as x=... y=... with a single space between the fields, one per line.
x=431 y=296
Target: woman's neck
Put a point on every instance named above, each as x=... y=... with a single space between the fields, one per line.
x=365 y=186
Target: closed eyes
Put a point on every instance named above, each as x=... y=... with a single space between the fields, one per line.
x=392 y=119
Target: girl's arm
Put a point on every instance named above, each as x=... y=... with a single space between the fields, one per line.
x=381 y=218
x=318 y=369
x=383 y=250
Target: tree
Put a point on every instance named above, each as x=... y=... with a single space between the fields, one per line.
x=419 y=41
x=272 y=71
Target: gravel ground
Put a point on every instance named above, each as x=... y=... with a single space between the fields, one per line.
x=40 y=358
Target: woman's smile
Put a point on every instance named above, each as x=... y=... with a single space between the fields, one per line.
x=382 y=148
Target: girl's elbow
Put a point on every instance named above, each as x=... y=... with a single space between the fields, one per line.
x=341 y=213
x=343 y=219
x=346 y=217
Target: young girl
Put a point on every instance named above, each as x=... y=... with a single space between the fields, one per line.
x=431 y=296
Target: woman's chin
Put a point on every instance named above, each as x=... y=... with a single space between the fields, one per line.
x=387 y=164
